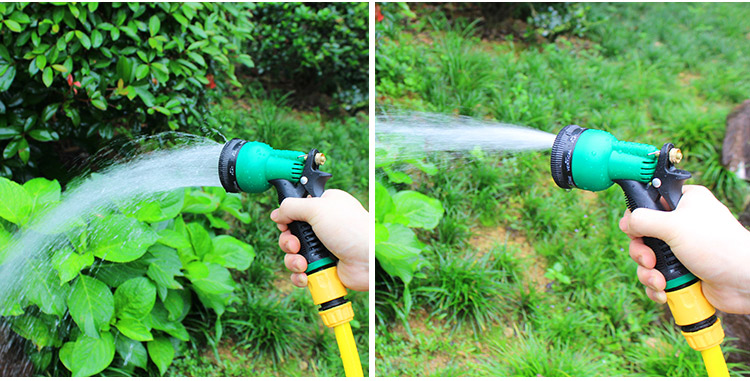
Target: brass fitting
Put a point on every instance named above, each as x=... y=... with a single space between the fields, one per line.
x=320 y=158
x=675 y=155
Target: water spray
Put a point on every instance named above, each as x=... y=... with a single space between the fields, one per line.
x=254 y=167
x=594 y=160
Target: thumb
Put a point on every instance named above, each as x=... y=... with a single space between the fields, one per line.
x=296 y=209
x=651 y=223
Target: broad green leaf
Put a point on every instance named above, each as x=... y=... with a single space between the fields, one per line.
x=47 y=76
x=173 y=239
x=115 y=274
x=99 y=103
x=60 y=68
x=49 y=111
x=399 y=255
x=231 y=252
x=91 y=305
x=13 y=26
x=11 y=149
x=200 y=202
x=96 y=38
x=66 y=354
x=153 y=25
x=217 y=222
x=45 y=291
x=37 y=329
x=42 y=192
x=121 y=239
x=69 y=264
x=134 y=329
x=145 y=95
x=135 y=298
x=84 y=39
x=162 y=207
x=142 y=71
x=41 y=62
x=131 y=352
x=7 y=133
x=23 y=151
x=7 y=79
x=177 y=303
x=232 y=204
x=164 y=267
x=416 y=210
x=218 y=280
x=161 y=352
x=92 y=355
x=383 y=202
x=43 y=135
x=16 y=203
x=199 y=239
x=159 y=320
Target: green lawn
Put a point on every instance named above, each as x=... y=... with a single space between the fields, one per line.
x=546 y=270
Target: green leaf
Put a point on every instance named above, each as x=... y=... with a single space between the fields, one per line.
x=91 y=305
x=231 y=252
x=177 y=303
x=161 y=352
x=115 y=274
x=199 y=239
x=84 y=39
x=7 y=133
x=11 y=149
x=121 y=239
x=153 y=25
x=134 y=329
x=41 y=62
x=92 y=355
x=96 y=39
x=173 y=239
x=159 y=320
x=23 y=151
x=49 y=111
x=399 y=254
x=99 y=103
x=60 y=68
x=131 y=352
x=146 y=96
x=142 y=71
x=383 y=202
x=16 y=203
x=42 y=192
x=135 y=298
x=200 y=202
x=13 y=26
x=69 y=264
x=7 y=79
x=42 y=135
x=47 y=76
x=164 y=267
x=37 y=330
x=45 y=291
x=416 y=210
x=218 y=280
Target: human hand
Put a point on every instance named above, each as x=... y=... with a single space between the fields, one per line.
x=705 y=237
x=341 y=224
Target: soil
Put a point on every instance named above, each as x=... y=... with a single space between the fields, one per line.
x=13 y=362
x=485 y=238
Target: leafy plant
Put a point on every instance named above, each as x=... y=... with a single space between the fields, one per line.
x=114 y=293
x=81 y=73
x=284 y=34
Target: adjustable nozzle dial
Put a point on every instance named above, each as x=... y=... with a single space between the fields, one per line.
x=561 y=157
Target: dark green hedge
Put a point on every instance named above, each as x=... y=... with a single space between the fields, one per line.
x=73 y=76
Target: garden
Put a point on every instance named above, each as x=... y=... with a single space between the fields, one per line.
x=484 y=266
x=186 y=280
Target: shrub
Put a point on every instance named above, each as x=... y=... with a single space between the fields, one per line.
x=113 y=293
x=81 y=73
x=318 y=48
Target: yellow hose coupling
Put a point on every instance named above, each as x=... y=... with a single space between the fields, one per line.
x=337 y=315
x=689 y=305
x=325 y=285
x=705 y=338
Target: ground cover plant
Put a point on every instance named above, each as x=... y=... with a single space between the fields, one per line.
x=569 y=301
x=202 y=289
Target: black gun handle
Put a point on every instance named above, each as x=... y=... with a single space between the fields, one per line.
x=310 y=246
x=640 y=195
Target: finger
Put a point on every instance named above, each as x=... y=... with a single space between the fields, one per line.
x=623 y=224
x=295 y=263
x=657 y=296
x=282 y=227
x=651 y=278
x=295 y=209
x=289 y=243
x=642 y=254
x=651 y=223
x=299 y=279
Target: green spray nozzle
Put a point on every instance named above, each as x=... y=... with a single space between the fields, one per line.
x=249 y=166
x=593 y=159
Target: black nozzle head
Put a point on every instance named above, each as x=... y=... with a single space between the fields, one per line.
x=228 y=165
x=561 y=157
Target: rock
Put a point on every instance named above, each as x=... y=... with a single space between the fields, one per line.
x=735 y=152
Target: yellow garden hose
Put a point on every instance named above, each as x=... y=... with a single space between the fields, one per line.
x=348 y=349
x=715 y=364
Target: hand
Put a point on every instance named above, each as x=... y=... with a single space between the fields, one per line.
x=341 y=224
x=705 y=237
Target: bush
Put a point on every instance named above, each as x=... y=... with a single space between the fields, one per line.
x=79 y=74
x=314 y=48
x=115 y=290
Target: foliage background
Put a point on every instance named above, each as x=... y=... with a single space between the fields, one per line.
x=82 y=81
x=519 y=277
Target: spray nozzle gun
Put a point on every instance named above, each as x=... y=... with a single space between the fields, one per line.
x=594 y=160
x=254 y=167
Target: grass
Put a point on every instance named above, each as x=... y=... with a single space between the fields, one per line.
x=275 y=330
x=569 y=302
